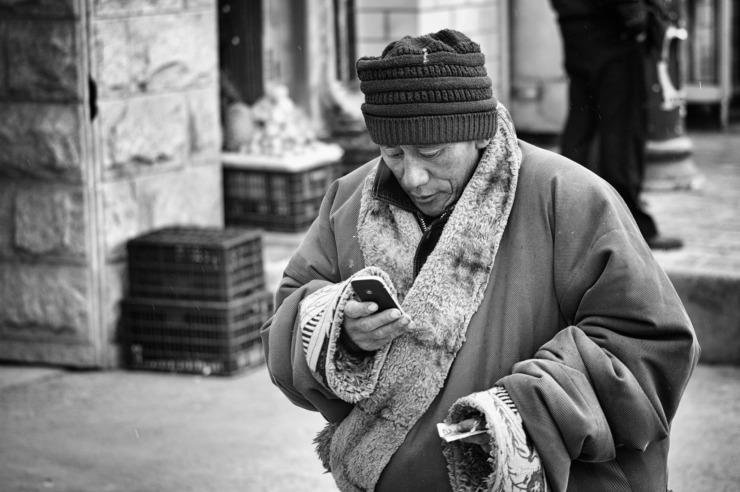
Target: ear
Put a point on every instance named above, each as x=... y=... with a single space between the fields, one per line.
x=482 y=143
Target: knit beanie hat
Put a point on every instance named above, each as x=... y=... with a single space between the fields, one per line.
x=427 y=90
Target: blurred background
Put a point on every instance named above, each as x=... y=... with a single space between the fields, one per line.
x=161 y=159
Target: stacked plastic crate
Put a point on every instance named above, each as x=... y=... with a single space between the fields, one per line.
x=197 y=301
x=278 y=193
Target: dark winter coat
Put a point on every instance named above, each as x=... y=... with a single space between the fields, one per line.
x=542 y=283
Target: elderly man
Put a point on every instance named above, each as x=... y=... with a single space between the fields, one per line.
x=532 y=308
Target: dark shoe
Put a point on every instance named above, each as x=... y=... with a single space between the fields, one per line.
x=664 y=242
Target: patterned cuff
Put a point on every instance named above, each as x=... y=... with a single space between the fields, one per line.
x=503 y=395
x=351 y=377
x=512 y=463
x=317 y=315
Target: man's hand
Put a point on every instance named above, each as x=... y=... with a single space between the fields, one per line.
x=369 y=330
x=483 y=440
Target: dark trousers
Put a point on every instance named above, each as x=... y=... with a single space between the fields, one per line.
x=607 y=127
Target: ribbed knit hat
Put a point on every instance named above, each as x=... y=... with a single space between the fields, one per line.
x=426 y=90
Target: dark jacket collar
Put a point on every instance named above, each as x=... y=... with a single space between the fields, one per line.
x=387 y=189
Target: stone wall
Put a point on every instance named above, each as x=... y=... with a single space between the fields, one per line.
x=109 y=127
x=485 y=21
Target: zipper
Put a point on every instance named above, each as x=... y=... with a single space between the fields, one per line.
x=423 y=224
x=426 y=230
x=424 y=227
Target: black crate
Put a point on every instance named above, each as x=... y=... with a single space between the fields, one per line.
x=275 y=198
x=204 y=264
x=210 y=338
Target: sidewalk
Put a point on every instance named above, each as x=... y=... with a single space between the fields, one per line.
x=119 y=431
x=96 y=431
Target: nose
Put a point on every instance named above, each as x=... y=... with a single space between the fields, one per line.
x=414 y=174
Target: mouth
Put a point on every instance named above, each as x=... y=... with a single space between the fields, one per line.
x=424 y=198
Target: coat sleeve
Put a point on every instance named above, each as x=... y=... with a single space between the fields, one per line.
x=312 y=267
x=614 y=376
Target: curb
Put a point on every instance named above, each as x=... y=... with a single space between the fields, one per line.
x=712 y=302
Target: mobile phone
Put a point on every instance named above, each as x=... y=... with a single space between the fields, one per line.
x=374 y=289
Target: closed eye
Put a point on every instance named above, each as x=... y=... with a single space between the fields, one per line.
x=393 y=152
x=430 y=153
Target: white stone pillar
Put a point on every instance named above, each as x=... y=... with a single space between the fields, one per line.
x=109 y=127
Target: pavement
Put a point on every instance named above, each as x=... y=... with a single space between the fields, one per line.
x=136 y=431
x=120 y=431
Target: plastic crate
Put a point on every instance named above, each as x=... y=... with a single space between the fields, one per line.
x=210 y=338
x=358 y=148
x=204 y=264
x=277 y=194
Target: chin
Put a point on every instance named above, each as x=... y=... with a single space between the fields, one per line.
x=432 y=209
x=431 y=212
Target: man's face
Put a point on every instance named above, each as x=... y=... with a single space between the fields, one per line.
x=434 y=176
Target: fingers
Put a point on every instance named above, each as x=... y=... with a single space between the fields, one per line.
x=468 y=425
x=483 y=439
x=370 y=330
x=368 y=320
x=380 y=329
x=356 y=309
x=480 y=439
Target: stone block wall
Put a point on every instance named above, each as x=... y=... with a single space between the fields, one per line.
x=109 y=127
x=378 y=22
